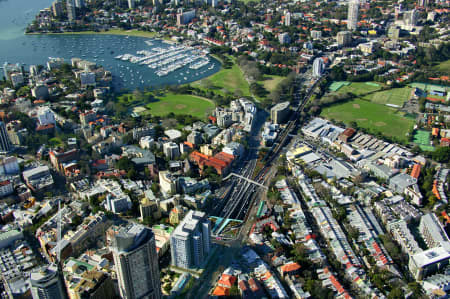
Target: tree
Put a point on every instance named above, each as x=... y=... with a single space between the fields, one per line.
x=149 y=221
x=77 y=220
x=300 y=252
x=124 y=163
x=131 y=174
x=353 y=233
x=23 y=91
x=396 y=293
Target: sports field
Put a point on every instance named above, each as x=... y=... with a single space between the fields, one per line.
x=360 y=88
x=371 y=91
x=395 y=96
x=180 y=104
x=374 y=117
x=428 y=87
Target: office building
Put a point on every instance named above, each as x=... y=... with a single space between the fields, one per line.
x=428 y=262
x=352 y=17
x=185 y=17
x=195 y=137
x=284 y=38
x=5 y=144
x=87 y=78
x=318 y=67
x=171 y=150
x=190 y=242
x=9 y=68
x=411 y=17
x=432 y=231
x=394 y=33
x=16 y=79
x=316 y=34
x=46 y=283
x=40 y=92
x=9 y=165
x=45 y=116
x=71 y=13
x=167 y=182
x=279 y=112
x=6 y=188
x=131 y=4
x=344 y=38
x=118 y=204
x=136 y=261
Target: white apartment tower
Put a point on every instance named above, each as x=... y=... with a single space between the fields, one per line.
x=352 y=18
x=70 y=7
x=190 y=242
x=287 y=19
x=318 y=67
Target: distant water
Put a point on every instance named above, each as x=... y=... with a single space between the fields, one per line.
x=15 y=47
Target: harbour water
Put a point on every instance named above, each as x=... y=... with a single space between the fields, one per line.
x=15 y=47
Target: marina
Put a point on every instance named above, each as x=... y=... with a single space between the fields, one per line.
x=166 y=61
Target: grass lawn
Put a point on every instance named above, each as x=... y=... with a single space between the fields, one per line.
x=443 y=67
x=180 y=104
x=372 y=116
x=55 y=142
x=228 y=80
x=359 y=88
x=395 y=96
x=270 y=82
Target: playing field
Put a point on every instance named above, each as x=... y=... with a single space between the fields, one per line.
x=395 y=96
x=180 y=104
x=428 y=87
x=359 y=88
x=374 y=117
x=371 y=91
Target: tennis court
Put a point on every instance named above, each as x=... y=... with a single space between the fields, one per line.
x=336 y=85
x=422 y=139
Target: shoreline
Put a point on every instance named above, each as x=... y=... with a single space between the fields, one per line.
x=133 y=32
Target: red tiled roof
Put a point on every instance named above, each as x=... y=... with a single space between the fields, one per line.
x=221 y=291
x=291 y=267
x=227 y=280
x=4 y=183
x=415 y=173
